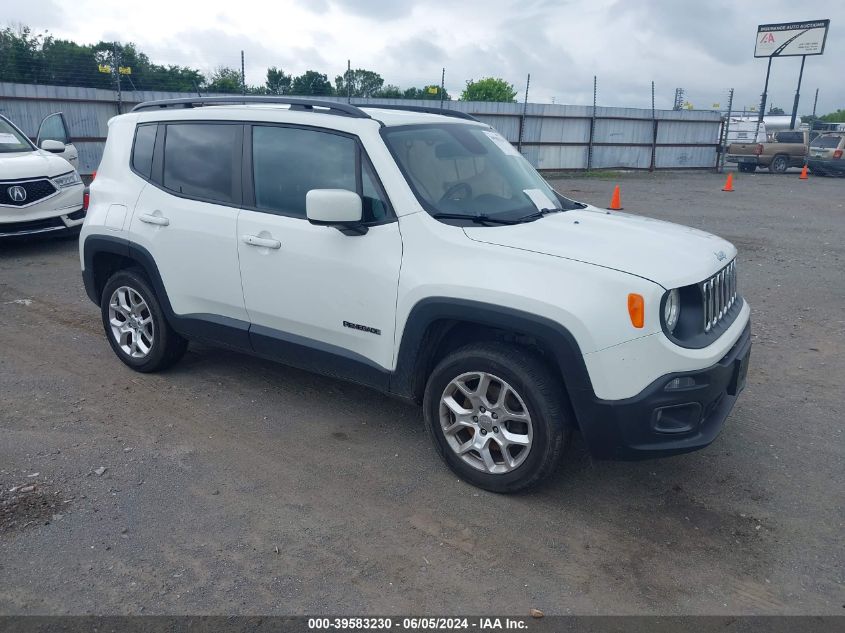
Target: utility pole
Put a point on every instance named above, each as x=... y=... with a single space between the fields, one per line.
x=815 y=102
x=243 y=75
x=442 y=86
x=593 y=125
x=653 y=131
x=117 y=60
x=724 y=145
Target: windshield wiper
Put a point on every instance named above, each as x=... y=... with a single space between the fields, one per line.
x=483 y=218
x=478 y=218
x=536 y=215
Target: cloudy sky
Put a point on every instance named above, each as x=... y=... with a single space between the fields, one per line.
x=703 y=46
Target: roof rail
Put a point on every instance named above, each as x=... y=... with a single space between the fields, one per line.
x=295 y=103
x=427 y=109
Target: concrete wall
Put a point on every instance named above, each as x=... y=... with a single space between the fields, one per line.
x=554 y=136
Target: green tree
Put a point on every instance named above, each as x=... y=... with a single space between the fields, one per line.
x=389 y=92
x=358 y=83
x=42 y=59
x=311 y=83
x=278 y=82
x=835 y=117
x=224 y=79
x=20 y=55
x=426 y=92
x=488 y=89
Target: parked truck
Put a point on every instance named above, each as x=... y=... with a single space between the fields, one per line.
x=787 y=149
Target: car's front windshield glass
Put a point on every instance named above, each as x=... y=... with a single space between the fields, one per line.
x=469 y=170
x=11 y=140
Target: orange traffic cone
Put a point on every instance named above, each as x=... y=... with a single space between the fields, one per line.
x=729 y=183
x=616 y=200
x=803 y=175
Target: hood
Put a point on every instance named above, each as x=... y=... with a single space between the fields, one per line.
x=34 y=164
x=668 y=254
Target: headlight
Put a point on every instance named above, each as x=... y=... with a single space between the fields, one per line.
x=672 y=309
x=68 y=180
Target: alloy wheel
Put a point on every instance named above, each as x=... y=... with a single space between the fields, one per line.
x=131 y=322
x=486 y=422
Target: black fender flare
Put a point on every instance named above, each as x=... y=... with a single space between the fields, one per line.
x=553 y=338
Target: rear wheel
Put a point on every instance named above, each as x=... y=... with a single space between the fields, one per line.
x=747 y=167
x=496 y=415
x=779 y=164
x=135 y=325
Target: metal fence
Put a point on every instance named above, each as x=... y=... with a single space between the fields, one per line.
x=553 y=136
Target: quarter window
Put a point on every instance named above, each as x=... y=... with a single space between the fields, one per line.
x=142 y=152
x=200 y=159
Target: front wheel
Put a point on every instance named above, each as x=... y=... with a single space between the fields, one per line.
x=496 y=415
x=135 y=325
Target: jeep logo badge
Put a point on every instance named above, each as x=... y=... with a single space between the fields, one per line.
x=720 y=255
x=16 y=193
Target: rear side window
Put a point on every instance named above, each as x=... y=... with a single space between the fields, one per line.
x=200 y=160
x=142 y=151
x=790 y=137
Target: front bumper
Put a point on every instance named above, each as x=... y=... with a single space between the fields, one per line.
x=657 y=422
x=65 y=222
x=57 y=213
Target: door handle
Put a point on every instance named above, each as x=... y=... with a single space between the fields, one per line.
x=158 y=220
x=254 y=240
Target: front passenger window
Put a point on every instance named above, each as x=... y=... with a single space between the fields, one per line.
x=290 y=162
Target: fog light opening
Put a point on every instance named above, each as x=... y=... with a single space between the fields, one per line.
x=684 y=382
x=679 y=418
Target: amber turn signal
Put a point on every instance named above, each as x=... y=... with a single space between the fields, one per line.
x=636 y=309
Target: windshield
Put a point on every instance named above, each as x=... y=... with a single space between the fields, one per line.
x=829 y=141
x=469 y=170
x=11 y=140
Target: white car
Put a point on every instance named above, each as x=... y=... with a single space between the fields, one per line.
x=419 y=254
x=40 y=190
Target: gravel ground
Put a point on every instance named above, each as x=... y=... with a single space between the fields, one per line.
x=233 y=485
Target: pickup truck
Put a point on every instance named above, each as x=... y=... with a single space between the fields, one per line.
x=789 y=149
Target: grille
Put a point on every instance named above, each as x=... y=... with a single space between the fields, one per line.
x=719 y=295
x=35 y=190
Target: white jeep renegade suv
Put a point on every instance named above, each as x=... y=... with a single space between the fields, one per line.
x=417 y=253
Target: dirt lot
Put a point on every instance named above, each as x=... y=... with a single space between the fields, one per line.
x=233 y=485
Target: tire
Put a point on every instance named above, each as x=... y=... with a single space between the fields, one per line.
x=747 y=168
x=128 y=298
x=779 y=164
x=530 y=388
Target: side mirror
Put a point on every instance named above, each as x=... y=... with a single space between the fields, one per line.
x=335 y=207
x=57 y=147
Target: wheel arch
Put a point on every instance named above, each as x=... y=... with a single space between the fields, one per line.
x=439 y=324
x=104 y=255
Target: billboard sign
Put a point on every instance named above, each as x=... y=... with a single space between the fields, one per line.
x=791 y=39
